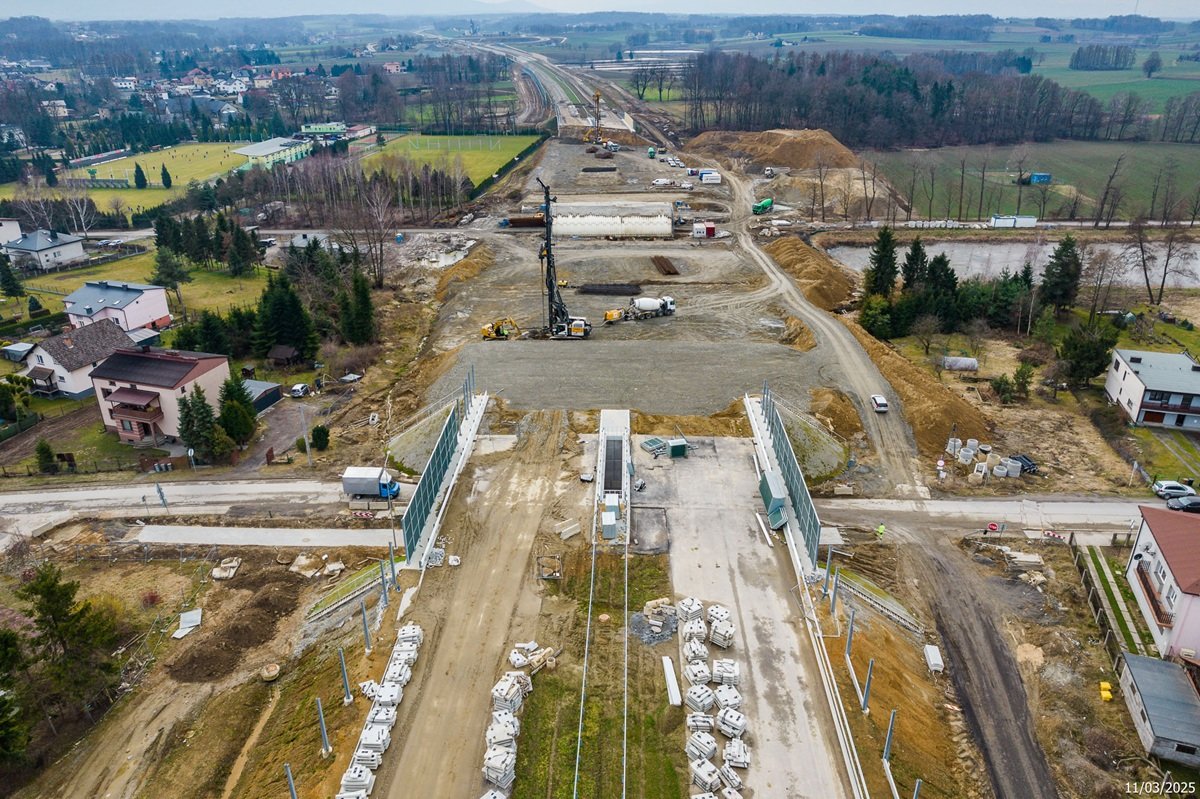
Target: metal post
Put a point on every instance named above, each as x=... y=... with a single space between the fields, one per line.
x=867 y=686
x=828 y=569
x=850 y=633
x=837 y=579
x=392 y=559
x=307 y=445
x=349 y=697
x=917 y=789
x=326 y=749
x=887 y=744
x=287 y=770
x=383 y=590
x=366 y=632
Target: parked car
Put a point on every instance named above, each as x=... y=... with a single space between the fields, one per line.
x=1185 y=504
x=1170 y=489
x=879 y=403
x=686 y=186
x=300 y=390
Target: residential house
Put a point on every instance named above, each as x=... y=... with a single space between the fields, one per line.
x=131 y=305
x=61 y=365
x=263 y=394
x=45 y=249
x=1164 y=573
x=280 y=150
x=263 y=81
x=393 y=68
x=321 y=129
x=360 y=131
x=55 y=109
x=139 y=390
x=125 y=84
x=1165 y=707
x=283 y=355
x=184 y=106
x=10 y=230
x=1159 y=389
x=324 y=240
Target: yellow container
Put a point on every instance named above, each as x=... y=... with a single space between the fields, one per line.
x=1106 y=696
x=1105 y=686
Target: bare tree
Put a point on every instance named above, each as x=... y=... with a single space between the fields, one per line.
x=1194 y=206
x=1140 y=252
x=1102 y=271
x=925 y=330
x=846 y=193
x=1177 y=259
x=367 y=222
x=1106 y=194
x=822 y=167
x=80 y=207
x=930 y=166
x=870 y=189
x=983 y=164
x=34 y=199
x=641 y=78
x=1020 y=156
x=977 y=332
x=962 y=182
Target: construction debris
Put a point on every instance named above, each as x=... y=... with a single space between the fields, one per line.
x=697 y=672
x=695 y=630
x=695 y=650
x=652 y=630
x=306 y=565
x=689 y=609
x=737 y=754
x=500 y=766
x=188 y=621
x=227 y=569
x=699 y=722
x=732 y=781
x=510 y=692
x=437 y=556
x=664 y=265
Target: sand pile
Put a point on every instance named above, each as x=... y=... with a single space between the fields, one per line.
x=798 y=149
x=929 y=406
x=835 y=410
x=731 y=421
x=797 y=335
x=823 y=282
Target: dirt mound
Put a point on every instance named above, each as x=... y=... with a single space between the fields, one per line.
x=930 y=407
x=835 y=410
x=797 y=335
x=823 y=282
x=480 y=258
x=219 y=650
x=797 y=149
x=730 y=422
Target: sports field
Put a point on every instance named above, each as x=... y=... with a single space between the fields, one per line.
x=481 y=156
x=1083 y=166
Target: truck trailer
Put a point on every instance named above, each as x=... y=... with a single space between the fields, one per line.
x=709 y=176
x=369 y=481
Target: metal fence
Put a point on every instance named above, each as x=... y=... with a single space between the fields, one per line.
x=421 y=505
x=20 y=426
x=793 y=478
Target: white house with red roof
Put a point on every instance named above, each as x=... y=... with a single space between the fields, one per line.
x=1164 y=573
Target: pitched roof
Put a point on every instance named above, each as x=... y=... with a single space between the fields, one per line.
x=1172 y=706
x=86 y=345
x=151 y=367
x=1164 y=371
x=1178 y=538
x=40 y=240
x=95 y=295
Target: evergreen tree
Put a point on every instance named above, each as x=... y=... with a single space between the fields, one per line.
x=234 y=390
x=197 y=434
x=14 y=727
x=45 y=457
x=8 y=281
x=916 y=262
x=1027 y=275
x=165 y=177
x=1060 y=277
x=875 y=316
x=210 y=334
x=1087 y=351
x=237 y=422
x=170 y=272
x=282 y=319
x=880 y=277
x=139 y=177
x=320 y=438
x=201 y=247
x=362 y=312
x=34 y=303
x=167 y=234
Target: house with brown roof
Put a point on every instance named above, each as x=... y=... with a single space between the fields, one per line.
x=1164 y=573
x=139 y=390
x=61 y=365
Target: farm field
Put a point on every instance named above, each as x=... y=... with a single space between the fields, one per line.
x=481 y=155
x=185 y=162
x=1083 y=165
x=209 y=290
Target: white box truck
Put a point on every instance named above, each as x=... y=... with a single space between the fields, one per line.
x=369 y=481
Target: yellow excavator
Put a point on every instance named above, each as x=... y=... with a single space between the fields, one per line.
x=501 y=330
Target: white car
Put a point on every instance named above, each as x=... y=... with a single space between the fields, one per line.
x=661 y=182
x=879 y=403
x=1169 y=489
x=299 y=390
x=686 y=186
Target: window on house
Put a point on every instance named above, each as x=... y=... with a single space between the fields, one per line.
x=1172 y=595
x=1157 y=396
x=1160 y=570
x=1185 y=749
x=41 y=359
x=127 y=425
x=62 y=379
x=1116 y=365
x=1142 y=713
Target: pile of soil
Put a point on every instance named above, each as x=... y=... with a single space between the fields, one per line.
x=797 y=149
x=266 y=598
x=797 y=335
x=929 y=406
x=835 y=410
x=481 y=258
x=730 y=422
x=823 y=281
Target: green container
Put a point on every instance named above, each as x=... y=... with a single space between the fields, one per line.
x=677 y=447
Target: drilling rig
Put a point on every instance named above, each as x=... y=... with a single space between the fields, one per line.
x=559 y=323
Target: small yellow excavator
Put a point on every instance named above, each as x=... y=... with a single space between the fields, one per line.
x=501 y=330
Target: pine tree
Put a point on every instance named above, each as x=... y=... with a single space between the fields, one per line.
x=165 y=177
x=139 y=177
x=211 y=334
x=45 y=457
x=170 y=272
x=234 y=390
x=8 y=281
x=237 y=422
x=201 y=249
x=201 y=423
x=916 y=261
x=1060 y=277
x=880 y=277
x=362 y=311
x=34 y=303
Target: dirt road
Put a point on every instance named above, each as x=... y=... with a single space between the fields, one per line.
x=440 y=746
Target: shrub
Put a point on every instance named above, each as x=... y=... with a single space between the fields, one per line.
x=1004 y=388
x=1037 y=354
x=320 y=438
x=301 y=446
x=45 y=457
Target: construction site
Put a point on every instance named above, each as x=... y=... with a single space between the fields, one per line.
x=616 y=564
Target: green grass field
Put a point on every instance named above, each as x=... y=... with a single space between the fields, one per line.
x=481 y=155
x=1082 y=165
x=208 y=290
x=185 y=162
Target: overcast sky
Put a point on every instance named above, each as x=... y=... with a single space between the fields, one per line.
x=155 y=9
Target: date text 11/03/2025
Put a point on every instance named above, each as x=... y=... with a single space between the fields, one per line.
x=1159 y=788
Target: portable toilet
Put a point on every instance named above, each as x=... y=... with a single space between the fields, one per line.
x=608 y=521
x=677 y=447
x=770 y=487
x=710 y=230
x=698 y=230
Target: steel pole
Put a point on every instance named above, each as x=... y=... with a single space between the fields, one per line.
x=349 y=697
x=887 y=744
x=366 y=631
x=867 y=686
x=326 y=749
x=287 y=770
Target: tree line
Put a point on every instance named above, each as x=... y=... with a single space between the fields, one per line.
x=1098 y=57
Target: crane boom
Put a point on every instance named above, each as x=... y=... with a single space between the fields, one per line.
x=559 y=323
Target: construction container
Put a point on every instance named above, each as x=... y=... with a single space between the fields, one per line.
x=677 y=447
x=772 y=491
x=612 y=504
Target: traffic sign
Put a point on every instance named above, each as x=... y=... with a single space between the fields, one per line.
x=992 y=527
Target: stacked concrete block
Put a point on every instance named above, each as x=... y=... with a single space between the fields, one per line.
x=689 y=609
x=726 y=696
x=508 y=719
x=737 y=754
x=410 y=633
x=705 y=795
x=494 y=794
x=701 y=746
x=502 y=733
x=351 y=795
x=730 y=793
x=726 y=672
x=398 y=673
x=705 y=775
x=731 y=723
x=389 y=695
x=382 y=716
x=371 y=760
x=694 y=650
x=499 y=767
x=695 y=630
x=697 y=673
x=699 y=698
x=699 y=722
x=374 y=739
x=722 y=633
x=718 y=613
x=729 y=777
x=358 y=778
x=510 y=692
